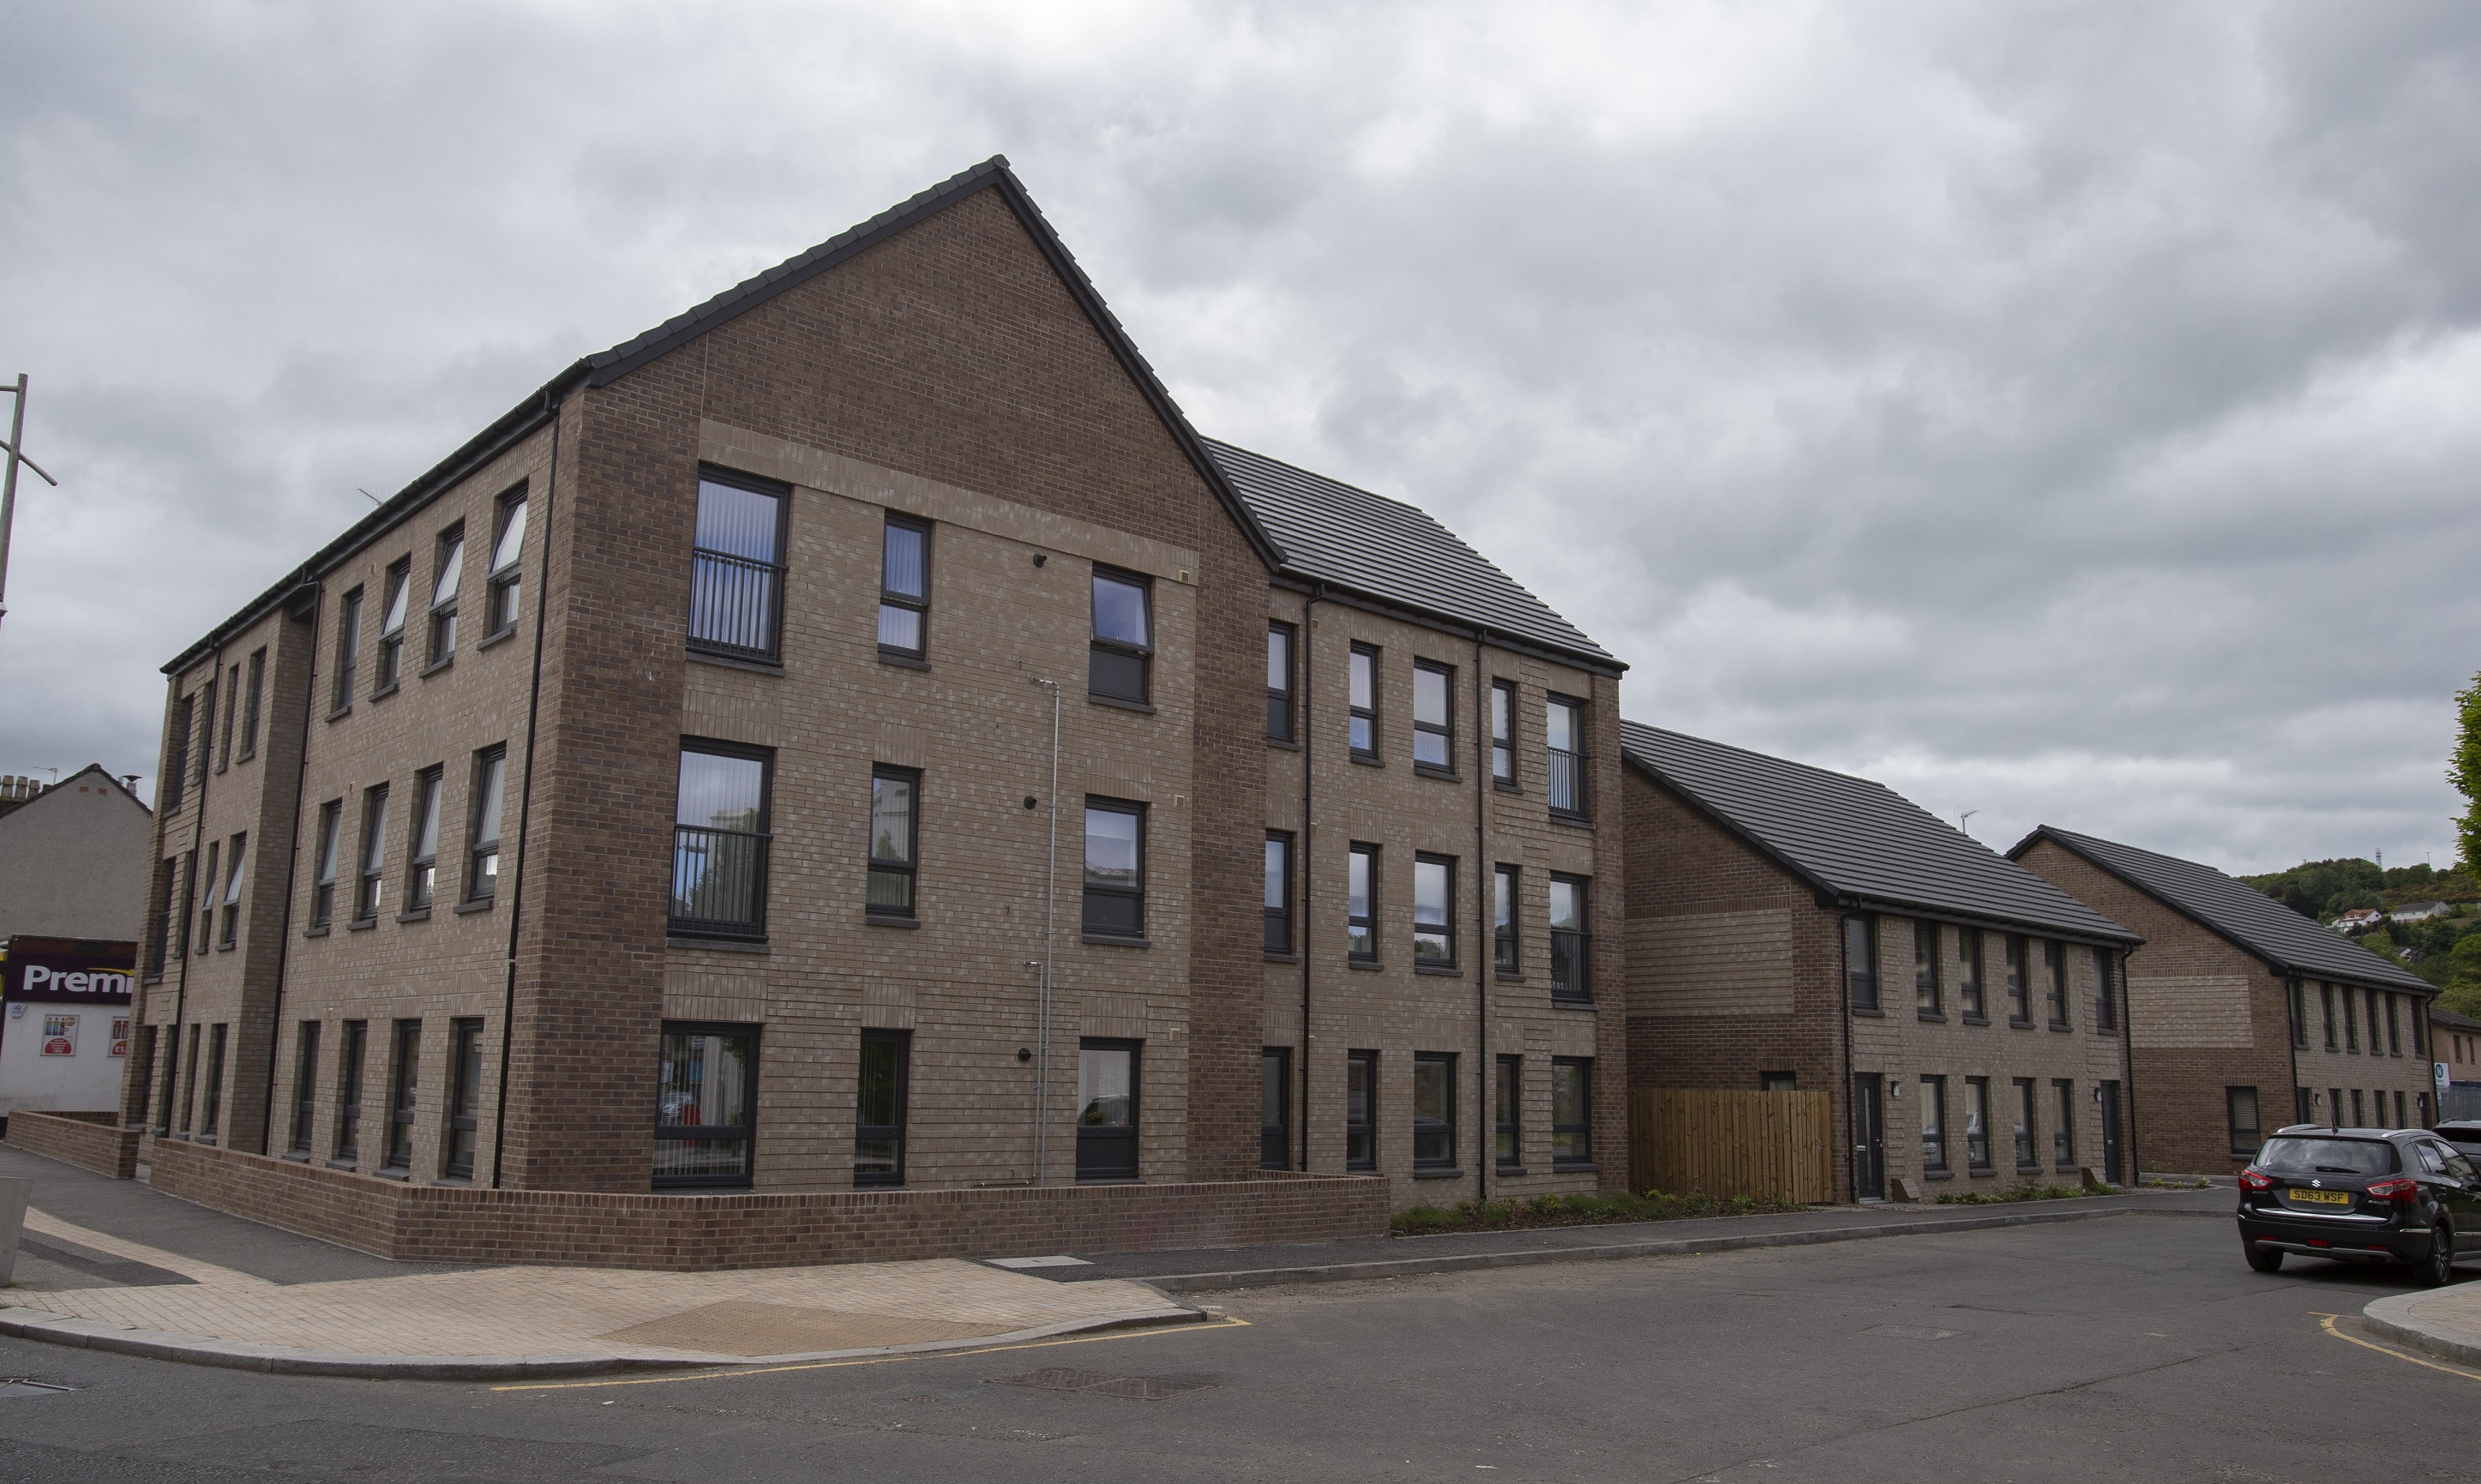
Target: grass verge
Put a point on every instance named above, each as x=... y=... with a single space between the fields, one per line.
x=1544 y=1211
x=2030 y=1190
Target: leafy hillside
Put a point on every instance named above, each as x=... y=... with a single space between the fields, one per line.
x=2446 y=952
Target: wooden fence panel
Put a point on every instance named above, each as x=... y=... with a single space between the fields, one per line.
x=1722 y=1143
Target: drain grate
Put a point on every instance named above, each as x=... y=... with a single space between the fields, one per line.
x=1095 y=1383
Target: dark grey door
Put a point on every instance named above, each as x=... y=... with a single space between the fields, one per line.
x=1868 y=1138
x=2110 y=1134
x=1107 y=1110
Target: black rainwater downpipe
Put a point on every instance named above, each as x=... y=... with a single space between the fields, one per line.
x=1307 y=850
x=1485 y=1070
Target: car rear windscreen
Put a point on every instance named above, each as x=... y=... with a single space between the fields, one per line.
x=2328 y=1156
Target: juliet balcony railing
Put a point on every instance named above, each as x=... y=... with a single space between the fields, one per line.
x=719 y=882
x=1567 y=782
x=736 y=606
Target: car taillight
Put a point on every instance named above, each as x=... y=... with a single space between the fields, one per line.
x=2399 y=1190
x=2256 y=1179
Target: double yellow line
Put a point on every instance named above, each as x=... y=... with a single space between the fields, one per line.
x=2326 y=1322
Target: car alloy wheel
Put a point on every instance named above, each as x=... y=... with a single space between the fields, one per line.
x=2438 y=1269
x=2262 y=1257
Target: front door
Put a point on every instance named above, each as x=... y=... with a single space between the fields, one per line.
x=2110 y=1134
x=1869 y=1138
x=1107 y=1110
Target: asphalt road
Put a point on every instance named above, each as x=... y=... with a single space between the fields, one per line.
x=2135 y=1347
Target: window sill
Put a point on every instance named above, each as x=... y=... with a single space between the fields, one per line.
x=1976 y=1020
x=719 y=944
x=1507 y=977
x=453 y=1181
x=361 y=924
x=319 y=931
x=1369 y=760
x=1938 y=1174
x=444 y=662
x=1439 y=970
x=1939 y=1016
x=298 y=1155
x=417 y=915
x=226 y=947
x=1868 y=1014
x=2019 y=1023
x=1107 y=941
x=495 y=637
x=239 y=760
x=1503 y=786
x=1979 y=1172
x=1284 y=743
x=2028 y=1170
x=152 y=978
x=385 y=690
x=1117 y=703
x=1444 y=775
x=887 y=920
x=1573 y=820
x=1571 y=1001
x=401 y=1176
x=1283 y=958
x=1574 y=1167
x=904 y=662
x=1449 y=1173
x=340 y=713
x=1504 y=1171
x=479 y=904
x=1364 y=964
x=348 y=1165
x=2055 y=1026
x=736 y=663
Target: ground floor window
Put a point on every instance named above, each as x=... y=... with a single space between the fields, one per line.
x=1107 y=1109
x=1507 y=1135
x=348 y=1090
x=1360 y=1110
x=2027 y=1149
x=1778 y=1081
x=1572 y=1110
x=2241 y=1102
x=464 y=1098
x=2063 y=1133
x=210 y=1117
x=306 y=1086
x=1274 y=1108
x=404 y=1090
x=706 y=1105
x=1934 y=1124
x=1434 y=1109
x=878 y=1116
x=1977 y=1123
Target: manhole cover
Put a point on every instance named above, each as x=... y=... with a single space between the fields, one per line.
x=1907 y=1332
x=1097 y=1384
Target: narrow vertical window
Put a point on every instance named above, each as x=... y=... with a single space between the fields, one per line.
x=2373 y=997
x=1861 y=963
x=237 y=856
x=422 y=866
x=737 y=570
x=1360 y=1110
x=372 y=888
x=508 y=560
x=878 y=1114
x=211 y=1113
x=1977 y=1125
x=405 y=1095
x=1926 y=971
x=1503 y=733
x=2241 y=1104
x=1279 y=892
x=352 y=1055
x=1116 y=868
x=2297 y=993
x=719 y=842
x=400 y=582
x=176 y=752
x=1571 y=1111
x=2063 y=1131
x=323 y=881
x=443 y=594
x=252 y=690
x=1968 y=987
x=209 y=887
x=166 y=905
x=2055 y=965
x=464 y=1098
x=1279 y=681
x=1564 y=743
x=1120 y=659
x=2028 y=1155
x=2325 y=999
x=706 y=1103
x=1107 y=1109
x=2351 y=1020
x=904 y=590
x=1571 y=960
x=1434 y=710
x=232 y=706
x=2019 y=985
x=171 y=1053
x=2105 y=993
x=482 y=855
x=1276 y=1108
x=349 y=650
x=1362 y=729
x=1934 y=1124
x=207 y=728
x=1434 y=1109
x=895 y=826
x=1507 y=954
x=190 y=1082
x=306 y=1086
x=1507 y=1098
x=1359 y=887
x=1434 y=919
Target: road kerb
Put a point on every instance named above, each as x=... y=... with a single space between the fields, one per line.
x=2393 y=1317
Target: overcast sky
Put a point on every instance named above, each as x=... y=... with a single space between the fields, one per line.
x=2061 y=412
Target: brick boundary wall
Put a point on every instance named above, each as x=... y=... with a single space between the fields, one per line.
x=701 y=1232
x=90 y=1142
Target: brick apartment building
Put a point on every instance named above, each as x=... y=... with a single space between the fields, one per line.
x=857 y=734
x=1791 y=928
x=2243 y=1015
x=2455 y=1044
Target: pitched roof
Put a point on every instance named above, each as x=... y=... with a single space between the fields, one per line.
x=1858 y=842
x=2236 y=910
x=1385 y=549
x=92 y=774
x=2452 y=1021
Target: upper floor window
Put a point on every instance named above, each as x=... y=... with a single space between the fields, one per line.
x=332 y=839
x=904 y=590
x=1116 y=868
x=231 y=933
x=719 y=836
x=1504 y=953
x=1569 y=940
x=1120 y=668
x=508 y=563
x=895 y=826
x=737 y=569
x=1434 y=916
x=2020 y=991
x=1926 y=968
x=167 y=907
x=371 y=887
x=483 y=856
x=443 y=594
x=1564 y=737
x=210 y=885
x=252 y=690
x=1364 y=701
x=1968 y=987
x=1279 y=892
x=1861 y=961
x=349 y=648
x=422 y=866
x=176 y=752
x=2055 y=962
x=232 y=703
x=2298 y=993
x=207 y=727
x=399 y=580
x=1434 y=710
x=2106 y=994
x=2325 y=999
x=1360 y=889
x=1279 y=681
x=1502 y=732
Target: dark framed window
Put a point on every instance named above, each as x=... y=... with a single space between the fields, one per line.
x=324 y=861
x=483 y=852
x=1434 y=1109
x=1925 y=970
x=2105 y=992
x=719 y=840
x=2240 y=1105
x=2360 y=1116
x=1571 y=945
x=305 y=1085
x=464 y=1098
x=1434 y=712
x=1360 y=895
x=1507 y=949
x=1116 y=868
x=1434 y=917
x=1362 y=680
x=2325 y=999
x=2351 y=1020
x=232 y=704
x=1977 y=1125
x=253 y=689
x=1107 y=1109
x=2303 y=1104
x=2063 y=1129
x=1861 y=962
x=405 y=1095
x=1779 y=1081
x=1507 y=1100
x=349 y=649
x=894 y=840
x=1360 y=1110
x=2394 y=1030
x=2297 y=996
x=400 y=592
x=422 y=863
x=2028 y=1147
x=1120 y=664
x=508 y=560
x=237 y=857
x=207 y=728
x=210 y=887
x=1276 y=1108
x=351 y=1056
x=1968 y=985
x=1933 y=1123
x=170 y=1051
x=1503 y=733
x=2373 y=997
x=2054 y=965
x=190 y=1082
x=1563 y=737
x=737 y=567
x=1279 y=681
x=1572 y=1110
x=2020 y=983
x=1279 y=892
x=142 y=1081
x=166 y=905
x=211 y=1113
x=177 y=753
x=444 y=583
x=706 y=1105
x=878 y=1111
x=904 y=588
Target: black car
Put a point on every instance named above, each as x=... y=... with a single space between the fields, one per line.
x=2464 y=1134
x=2362 y=1195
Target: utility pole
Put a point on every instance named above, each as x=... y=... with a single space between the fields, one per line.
x=8 y=483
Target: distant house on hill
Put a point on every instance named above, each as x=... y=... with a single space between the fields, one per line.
x=2419 y=912
x=2358 y=918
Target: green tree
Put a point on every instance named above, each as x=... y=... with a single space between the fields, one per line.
x=2464 y=772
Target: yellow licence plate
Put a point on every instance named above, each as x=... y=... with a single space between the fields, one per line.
x=2321 y=1197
